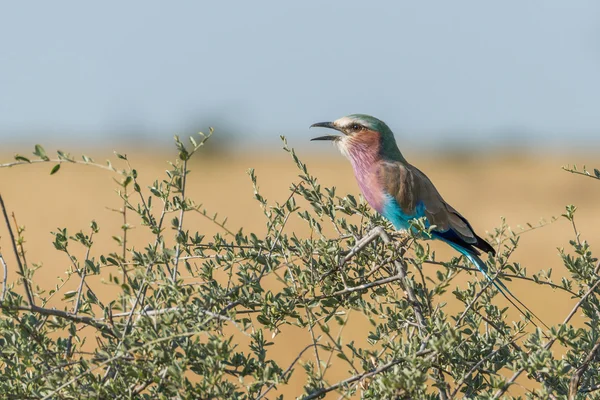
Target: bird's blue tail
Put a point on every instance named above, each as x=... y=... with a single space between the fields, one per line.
x=482 y=267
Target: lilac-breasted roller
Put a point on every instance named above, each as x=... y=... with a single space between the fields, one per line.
x=401 y=192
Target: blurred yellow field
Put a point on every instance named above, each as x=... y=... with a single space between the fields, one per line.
x=485 y=188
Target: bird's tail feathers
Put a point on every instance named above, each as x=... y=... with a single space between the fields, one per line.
x=482 y=267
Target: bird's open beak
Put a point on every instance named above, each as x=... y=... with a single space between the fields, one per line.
x=329 y=125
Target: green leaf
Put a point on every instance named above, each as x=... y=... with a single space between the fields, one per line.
x=40 y=152
x=19 y=157
x=64 y=156
x=55 y=169
x=69 y=294
x=127 y=181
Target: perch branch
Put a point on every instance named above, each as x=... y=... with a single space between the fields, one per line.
x=400 y=270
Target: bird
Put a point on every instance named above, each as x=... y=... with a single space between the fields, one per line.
x=400 y=192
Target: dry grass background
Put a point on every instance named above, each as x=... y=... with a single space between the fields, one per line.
x=521 y=188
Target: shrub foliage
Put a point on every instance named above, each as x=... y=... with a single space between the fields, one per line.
x=163 y=338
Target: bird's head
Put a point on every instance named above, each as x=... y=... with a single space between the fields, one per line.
x=360 y=133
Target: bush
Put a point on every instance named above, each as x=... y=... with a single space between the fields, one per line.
x=163 y=338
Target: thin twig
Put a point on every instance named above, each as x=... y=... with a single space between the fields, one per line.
x=470 y=305
x=585 y=172
x=4 y=279
x=531 y=228
x=257 y=279
x=83 y=275
x=444 y=387
x=180 y=226
x=130 y=317
x=288 y=369
x=52 y=369
x=125 y=226
x=28 y=291
x=79 y=271
x=339 y=335
x=311 y=324
x=57 y=161
x=20 y=240
x=221 y=225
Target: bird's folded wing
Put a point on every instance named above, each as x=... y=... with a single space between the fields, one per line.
x=413 y=192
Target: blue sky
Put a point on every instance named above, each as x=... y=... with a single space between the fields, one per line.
x=438 y=72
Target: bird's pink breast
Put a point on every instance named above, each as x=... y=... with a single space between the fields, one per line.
x=372 y=190
x=363 y=153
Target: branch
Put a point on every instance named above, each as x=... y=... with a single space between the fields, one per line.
x=4 y=279
x=83 y=276
x=58 y=161
x=221 y=225
x=443 y=386
x=289 y=369
x=151 y=313
x=63 y=314
x=585 y=172
x=28 y=291
x=548 y=345
x=353 y=289
x=137 y=389
x=470 y=305
x=400 y=270
x=81 y=272
x=502 y=274
x=180 y=226
x=590 y=389
x=124 y=354
x=257 y=279
x=576 y=378
x=360 y=377
x=478 y=364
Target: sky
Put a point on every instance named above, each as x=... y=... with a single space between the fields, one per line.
x=440 y=73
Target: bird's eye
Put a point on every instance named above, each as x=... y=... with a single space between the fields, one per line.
x=355 y=127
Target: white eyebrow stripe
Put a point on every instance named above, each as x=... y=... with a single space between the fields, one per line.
x=345 y=122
